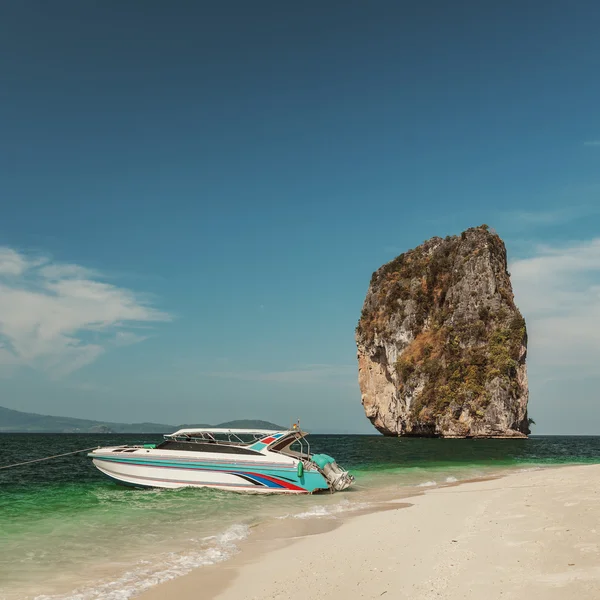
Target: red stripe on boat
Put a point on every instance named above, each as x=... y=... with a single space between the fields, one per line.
x=285 y=484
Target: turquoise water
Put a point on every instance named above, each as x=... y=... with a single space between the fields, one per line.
x=66 y=531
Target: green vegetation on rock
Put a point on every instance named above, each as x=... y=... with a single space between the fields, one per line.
x=447 y=309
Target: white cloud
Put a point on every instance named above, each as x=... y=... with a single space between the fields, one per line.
x=61 y=271
x=11 y=262
x=592 y=143
x=558 y=291
x=345 y=375
x=60 y=317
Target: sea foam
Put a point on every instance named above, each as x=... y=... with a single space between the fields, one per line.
x=427 y=484
x=331 y=510
x=146 y=574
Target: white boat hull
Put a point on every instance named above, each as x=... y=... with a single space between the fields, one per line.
x=174 y=478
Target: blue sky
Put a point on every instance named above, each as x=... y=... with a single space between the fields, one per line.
x=195 y=195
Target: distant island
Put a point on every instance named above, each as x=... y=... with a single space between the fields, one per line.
x=14 y=421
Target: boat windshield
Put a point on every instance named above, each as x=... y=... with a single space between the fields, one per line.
x=295 y=445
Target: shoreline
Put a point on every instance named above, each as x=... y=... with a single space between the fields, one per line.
x=509 y=536
x=206 y=529
x=535 y=530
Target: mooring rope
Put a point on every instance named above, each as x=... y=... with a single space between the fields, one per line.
x=47 y=458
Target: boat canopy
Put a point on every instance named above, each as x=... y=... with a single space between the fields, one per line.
x=219 y=431
x=253 y=438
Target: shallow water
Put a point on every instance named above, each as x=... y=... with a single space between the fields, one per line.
x=66 y=531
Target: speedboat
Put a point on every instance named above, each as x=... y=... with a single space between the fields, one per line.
x=242 y=460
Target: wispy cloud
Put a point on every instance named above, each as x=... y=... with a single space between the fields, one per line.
x=522 y=220
x=558 y=291
x=345 y=375
x=66 y=271
x=60 y=317
x=12 y=262
x=549 y=217
x=592 y=143
x=561 y=206
x=127 y=338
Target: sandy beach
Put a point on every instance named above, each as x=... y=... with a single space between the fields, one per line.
x=532 y=534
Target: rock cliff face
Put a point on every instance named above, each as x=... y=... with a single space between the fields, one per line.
x=441 y=344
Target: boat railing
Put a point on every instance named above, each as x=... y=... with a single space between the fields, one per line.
x=301 y=439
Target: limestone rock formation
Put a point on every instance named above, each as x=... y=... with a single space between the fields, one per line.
x=441 y=343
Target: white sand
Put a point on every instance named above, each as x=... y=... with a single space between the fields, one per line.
x=530 y=535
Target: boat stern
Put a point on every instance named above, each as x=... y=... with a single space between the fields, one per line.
x=337 y=478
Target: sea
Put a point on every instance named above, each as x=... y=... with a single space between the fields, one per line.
x=68 y=532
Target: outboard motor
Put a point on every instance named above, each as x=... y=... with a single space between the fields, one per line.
x=337 y=478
